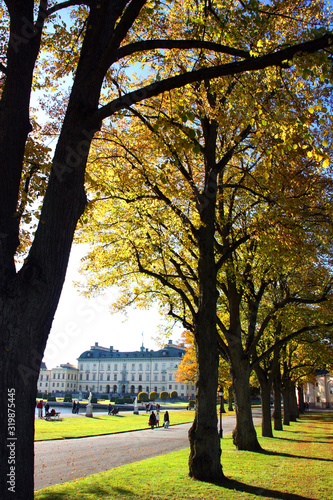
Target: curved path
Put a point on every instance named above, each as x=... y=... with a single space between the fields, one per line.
x=60 y=461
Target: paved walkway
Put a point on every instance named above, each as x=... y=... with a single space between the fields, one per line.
x=65 y=460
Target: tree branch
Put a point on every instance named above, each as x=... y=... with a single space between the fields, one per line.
x=286 y=339
x=251 y=64
x=145 y=45
x=63 y=5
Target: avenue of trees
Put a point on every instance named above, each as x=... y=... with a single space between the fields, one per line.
x=214 y=201
x=207 y=180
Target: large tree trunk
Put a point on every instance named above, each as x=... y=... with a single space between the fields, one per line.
x=29 y=298
x=277 y=414
x=244 y=434
x=205 y=454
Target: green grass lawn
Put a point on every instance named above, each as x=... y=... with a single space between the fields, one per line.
x=73 y=427
x=297 y=465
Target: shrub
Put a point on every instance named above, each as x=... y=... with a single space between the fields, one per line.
x=68 y=398
x=51 y=398
x=164 y=395
x=173 y=395
x=128 y=400
x=153 y=396
x=119 y=401
x=143 y=397
x=94 y=399
x=104 y=396
x=191 y=403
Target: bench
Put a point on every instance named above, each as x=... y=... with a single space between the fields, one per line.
x=55 y=416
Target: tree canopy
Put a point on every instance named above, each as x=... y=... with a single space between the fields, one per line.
x=80 y=55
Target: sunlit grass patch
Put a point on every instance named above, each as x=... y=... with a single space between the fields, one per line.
x=294 y=466
x=73 y=427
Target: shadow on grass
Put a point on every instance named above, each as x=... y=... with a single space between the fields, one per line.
x=322 y=440
x=101 y=418
x=291 y=455
x=227 y=484
x=231 y=484
x=95 y=490
x=325 y=416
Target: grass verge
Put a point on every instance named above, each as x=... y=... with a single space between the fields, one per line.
x=297 y=465
x=74 y=427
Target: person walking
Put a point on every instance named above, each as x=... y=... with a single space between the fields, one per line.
x=152 y=420
x=166 y=420
x=46 y=408
x=157 y=419
x=74 y=407
x=77 y=408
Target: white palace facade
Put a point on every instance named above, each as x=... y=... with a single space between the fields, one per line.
x=105 y=370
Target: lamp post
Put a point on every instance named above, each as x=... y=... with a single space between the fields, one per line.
x=221 y=405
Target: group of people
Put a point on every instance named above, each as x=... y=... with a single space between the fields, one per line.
x=40 y=405
x=75 y=407
x=112 y=410
x=154 y=419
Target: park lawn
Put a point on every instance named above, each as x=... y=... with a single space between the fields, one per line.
x=297 y=465
x=74 y=427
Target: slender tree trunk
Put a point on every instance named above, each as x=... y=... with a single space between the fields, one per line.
x=265 y=382
x=266 y=423
x=230 y=399
x=286 y=406
x=294 y=414
x=300 y=398
x=277 y=414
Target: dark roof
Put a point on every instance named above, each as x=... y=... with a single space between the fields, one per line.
x=320 y=373
x=103 y=352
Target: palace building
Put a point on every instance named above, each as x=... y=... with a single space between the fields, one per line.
x=105 y=370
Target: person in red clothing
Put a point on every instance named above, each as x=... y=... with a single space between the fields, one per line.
x=40 y=408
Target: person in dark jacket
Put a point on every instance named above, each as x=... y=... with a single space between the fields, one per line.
x=152 y=420
x=166 y=420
